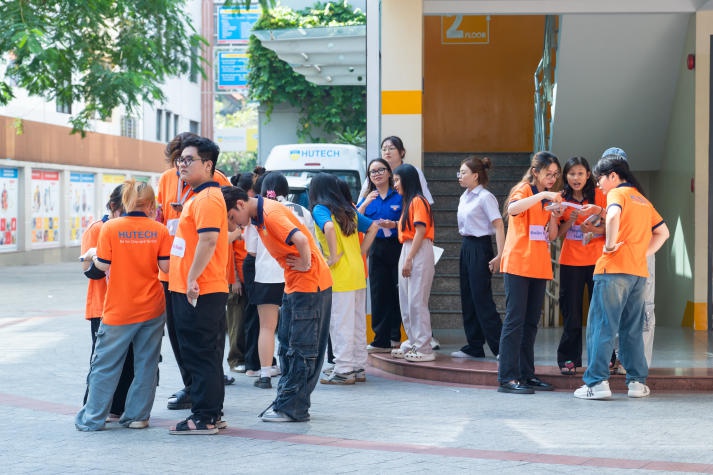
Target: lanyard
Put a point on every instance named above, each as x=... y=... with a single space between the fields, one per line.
x=179 y=187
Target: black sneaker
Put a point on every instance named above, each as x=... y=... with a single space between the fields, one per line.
x=263 y=382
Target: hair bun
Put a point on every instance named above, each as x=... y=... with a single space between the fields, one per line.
x=487 y=164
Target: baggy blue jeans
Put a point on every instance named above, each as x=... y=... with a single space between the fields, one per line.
x=303 y=332
x=111 y=347
x=617 y=306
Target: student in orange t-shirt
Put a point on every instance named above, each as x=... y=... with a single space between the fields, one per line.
x=578 y=256
x=199 y=286
x=173 y=193
x=526 y=269
x=133 y=247
x=96 y=291
x=304 y=323
x=634 y=230
x=416 y=266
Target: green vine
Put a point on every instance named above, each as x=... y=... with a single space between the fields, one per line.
x=329 y=111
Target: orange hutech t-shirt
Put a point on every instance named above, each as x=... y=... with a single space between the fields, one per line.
x=527 y=252
x=171 y=189
x=574 y=253
x=204 y=212
x=418 y=213
x=133 y=245
x=276 y=224
x=637 y=220
x=96 y=290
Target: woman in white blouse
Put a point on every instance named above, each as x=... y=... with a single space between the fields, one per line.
x=478 y=219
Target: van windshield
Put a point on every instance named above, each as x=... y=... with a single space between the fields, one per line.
x=349 y=176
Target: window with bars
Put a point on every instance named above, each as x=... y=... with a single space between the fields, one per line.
x=129 y=126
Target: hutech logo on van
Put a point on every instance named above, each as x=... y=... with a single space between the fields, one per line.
x=296 y=154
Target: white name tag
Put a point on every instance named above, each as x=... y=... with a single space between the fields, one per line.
x=172 y=225
x=574 y=233
x=179 y=247
x=537 y=233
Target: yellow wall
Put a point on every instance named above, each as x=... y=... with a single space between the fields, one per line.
x=479 y=98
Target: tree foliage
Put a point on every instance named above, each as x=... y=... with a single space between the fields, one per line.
x=98 y=53
x=329 y=109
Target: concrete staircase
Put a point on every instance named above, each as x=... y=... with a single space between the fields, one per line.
x=440 y=170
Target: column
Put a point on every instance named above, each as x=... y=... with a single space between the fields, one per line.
x=402 y=75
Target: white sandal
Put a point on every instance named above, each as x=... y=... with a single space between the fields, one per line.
x=418 y=357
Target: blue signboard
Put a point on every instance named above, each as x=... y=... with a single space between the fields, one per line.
x=232 y=69
x=235 y=24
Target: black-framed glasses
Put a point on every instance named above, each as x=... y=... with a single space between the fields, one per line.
x=377 y=172
x=187 y=160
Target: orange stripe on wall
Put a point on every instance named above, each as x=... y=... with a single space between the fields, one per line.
x=401 y=102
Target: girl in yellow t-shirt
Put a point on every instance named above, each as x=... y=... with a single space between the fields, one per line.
x=338 y=225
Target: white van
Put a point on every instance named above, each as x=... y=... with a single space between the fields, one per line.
x=348 y=162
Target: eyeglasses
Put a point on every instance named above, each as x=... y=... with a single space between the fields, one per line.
x=552 y=176
x=186 y=161
x=461 y=174
x=388 y=149
x=377 y=172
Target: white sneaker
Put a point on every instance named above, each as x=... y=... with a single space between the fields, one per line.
x=377 y=349
x=637 y=389
x=138 y=424
x=598 y=391
x=461 y=354
x=435 y=344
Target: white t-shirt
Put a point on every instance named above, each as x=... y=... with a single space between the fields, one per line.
x=477 y=210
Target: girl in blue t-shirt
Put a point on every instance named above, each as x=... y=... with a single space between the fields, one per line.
x=383 y=204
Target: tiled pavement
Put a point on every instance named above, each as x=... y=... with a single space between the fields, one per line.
x=387 y=425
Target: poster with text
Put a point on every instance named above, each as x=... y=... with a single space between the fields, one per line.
x=45 y=208
x=109 y=182
x=9 y=199
x=81 y=204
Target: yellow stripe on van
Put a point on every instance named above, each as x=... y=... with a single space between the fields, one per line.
x=401 y=102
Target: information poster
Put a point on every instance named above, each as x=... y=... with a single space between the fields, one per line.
x=9 y=199
x=235 y=24
x=81 y=208
x=232 y=69
x=109 y=182
x=45 y=208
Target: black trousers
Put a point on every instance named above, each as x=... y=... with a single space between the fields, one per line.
x=384 y=291
x=481 y=320
x=251 y=320
x=201 y=336
x=171 y=330
x=523 y=308
x=127 y=374
x=573 y=279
